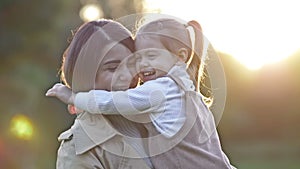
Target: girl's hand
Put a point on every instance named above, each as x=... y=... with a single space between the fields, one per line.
x=62 y=92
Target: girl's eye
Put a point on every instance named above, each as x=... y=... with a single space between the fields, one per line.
x=152 y=55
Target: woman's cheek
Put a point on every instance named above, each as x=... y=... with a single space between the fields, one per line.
x=103 y=82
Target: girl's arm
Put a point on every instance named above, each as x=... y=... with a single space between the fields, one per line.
x=150 y=97
x=62 y=92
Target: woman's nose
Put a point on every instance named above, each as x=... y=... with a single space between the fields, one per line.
x=125 y=76
x=122 y=78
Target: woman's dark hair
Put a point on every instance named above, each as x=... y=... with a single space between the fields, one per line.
x=114 y=31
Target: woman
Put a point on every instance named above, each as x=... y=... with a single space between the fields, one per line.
x=97 y=141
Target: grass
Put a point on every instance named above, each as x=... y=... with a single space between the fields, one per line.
x=264 y=155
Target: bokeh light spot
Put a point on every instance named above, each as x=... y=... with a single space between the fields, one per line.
x=90 y=12
x=21 y=127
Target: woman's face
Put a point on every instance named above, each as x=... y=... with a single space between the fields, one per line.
x=125 y=76
x=113 y=73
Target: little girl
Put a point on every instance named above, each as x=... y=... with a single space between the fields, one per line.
x=181 y=129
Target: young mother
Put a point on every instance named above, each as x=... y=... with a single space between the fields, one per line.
x=97 y=141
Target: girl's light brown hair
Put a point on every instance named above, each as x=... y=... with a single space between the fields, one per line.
x=174 y=35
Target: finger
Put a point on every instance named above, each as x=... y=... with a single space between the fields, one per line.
x=57 y=85
x=50 y=90
x=50 y=93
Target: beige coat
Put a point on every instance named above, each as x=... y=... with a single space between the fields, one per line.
x=93 y=143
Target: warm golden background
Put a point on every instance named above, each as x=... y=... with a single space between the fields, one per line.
x=258 y=43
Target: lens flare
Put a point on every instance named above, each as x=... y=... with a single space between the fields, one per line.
x=254 y=32
x=21 y=127
x=90 y=12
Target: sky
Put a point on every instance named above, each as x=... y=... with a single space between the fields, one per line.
x=255 y=32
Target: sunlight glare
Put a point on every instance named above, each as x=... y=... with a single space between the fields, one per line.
x=254 y=32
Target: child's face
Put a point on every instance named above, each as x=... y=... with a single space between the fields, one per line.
x=108 y=67
x=152 y=59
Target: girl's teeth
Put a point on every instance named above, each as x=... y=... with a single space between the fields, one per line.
x=147 y=73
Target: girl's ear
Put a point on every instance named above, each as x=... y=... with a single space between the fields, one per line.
x=183 y=54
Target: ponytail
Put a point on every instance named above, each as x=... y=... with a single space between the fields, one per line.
x=195 y=62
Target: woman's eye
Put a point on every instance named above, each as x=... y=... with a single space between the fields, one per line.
x=112 y=69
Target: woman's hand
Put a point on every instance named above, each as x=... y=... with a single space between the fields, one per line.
x=62 y=92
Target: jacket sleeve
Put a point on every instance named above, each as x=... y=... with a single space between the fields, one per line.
x=142 y=99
